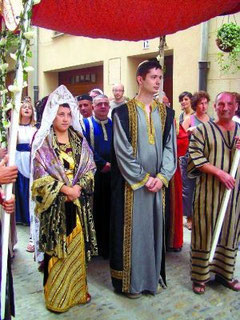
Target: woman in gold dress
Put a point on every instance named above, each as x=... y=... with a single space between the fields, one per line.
x=63 y=181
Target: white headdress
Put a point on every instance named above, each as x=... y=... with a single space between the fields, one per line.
x=59 y=96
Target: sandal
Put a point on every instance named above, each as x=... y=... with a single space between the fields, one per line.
x=133 y=295
x=41 y=266
x=159 y=289
x=198 y=287
x=30 y=247
x=189 y=223
x=228 y=284
x=89 y=298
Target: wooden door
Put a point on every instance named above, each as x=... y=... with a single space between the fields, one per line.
x=81 y=81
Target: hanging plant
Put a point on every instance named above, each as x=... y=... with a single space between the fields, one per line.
x=228 y=41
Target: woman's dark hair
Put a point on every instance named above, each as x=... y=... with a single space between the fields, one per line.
x=184 y=94
x=237 y=95
x=197 y=97
x=146 y=66
x=238 y=111
x=39 y=106
x=64 y=105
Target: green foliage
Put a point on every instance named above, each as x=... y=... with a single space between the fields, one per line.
x=19 y=44
x=228 y=40
x=229 y=35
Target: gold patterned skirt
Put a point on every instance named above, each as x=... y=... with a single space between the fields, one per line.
x=65 y=283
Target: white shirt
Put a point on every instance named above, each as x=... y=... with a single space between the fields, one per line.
x=236 y=119
x=22 y=158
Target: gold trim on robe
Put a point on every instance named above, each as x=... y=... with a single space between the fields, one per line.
x=128 y=195
x=136 y=186
x=116 y=274
x=163 y=179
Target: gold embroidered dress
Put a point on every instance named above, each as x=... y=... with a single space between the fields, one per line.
x=67 y=234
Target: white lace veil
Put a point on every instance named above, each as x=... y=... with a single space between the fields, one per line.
x=59 y=96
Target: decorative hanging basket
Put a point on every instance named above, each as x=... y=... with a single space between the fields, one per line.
x=223 y=47
x=228 y=41
x=228 y=37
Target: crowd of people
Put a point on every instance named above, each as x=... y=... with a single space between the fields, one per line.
x=114 y=177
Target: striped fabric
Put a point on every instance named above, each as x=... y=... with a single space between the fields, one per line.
x=66 y=284
x=209 y=144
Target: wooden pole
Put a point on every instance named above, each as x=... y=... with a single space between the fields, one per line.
x=6 y=217
x=223 y=209
x=11 y=152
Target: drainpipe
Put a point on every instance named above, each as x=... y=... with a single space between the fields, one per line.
x=203 y=63
x=35 y=62
x=162 y=43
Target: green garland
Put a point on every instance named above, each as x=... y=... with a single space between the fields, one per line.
x=9 y=42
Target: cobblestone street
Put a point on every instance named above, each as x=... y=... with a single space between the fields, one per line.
x=176 y=302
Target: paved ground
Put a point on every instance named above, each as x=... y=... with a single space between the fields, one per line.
x=176 y=302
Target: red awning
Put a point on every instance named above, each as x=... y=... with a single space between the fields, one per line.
x=127 y=19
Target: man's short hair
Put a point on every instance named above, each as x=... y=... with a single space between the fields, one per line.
x=184 y=94
x=226 y=92
x=84 y=97
x=117 y=85
x=100 y=96
x=197 y=97
x=97 y=90
x=145 y=66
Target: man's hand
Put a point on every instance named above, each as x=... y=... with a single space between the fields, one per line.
x=155 y=185
x=149 y=183
x=237 y=142
x=226 y=179
x=7 y=174
x=106 y=168
x=191 y=129
x=9 y=205
x=3 y=152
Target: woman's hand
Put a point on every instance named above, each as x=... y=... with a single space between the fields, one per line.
x=72 y=193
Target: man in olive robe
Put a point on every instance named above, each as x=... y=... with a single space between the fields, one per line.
x=211 y=150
